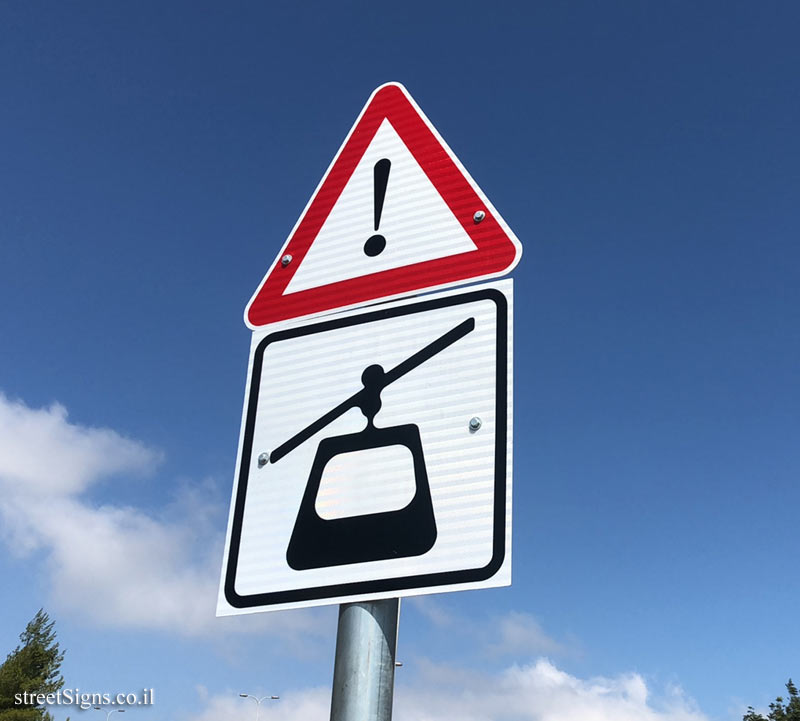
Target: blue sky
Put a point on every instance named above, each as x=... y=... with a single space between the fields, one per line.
x=155 y=156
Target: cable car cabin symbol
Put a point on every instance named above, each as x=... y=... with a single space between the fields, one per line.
x=317 y=542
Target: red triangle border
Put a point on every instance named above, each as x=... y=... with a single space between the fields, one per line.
x=497 y=252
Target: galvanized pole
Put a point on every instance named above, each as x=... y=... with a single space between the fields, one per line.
x=363 y=672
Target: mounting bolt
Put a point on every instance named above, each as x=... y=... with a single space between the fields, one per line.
x=479 y=216
x=475 y=423
x=286 y=260
x=263 y=459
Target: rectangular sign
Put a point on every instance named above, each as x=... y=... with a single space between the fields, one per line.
x=375 y=455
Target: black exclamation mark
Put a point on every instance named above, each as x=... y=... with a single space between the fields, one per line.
x=376 y=243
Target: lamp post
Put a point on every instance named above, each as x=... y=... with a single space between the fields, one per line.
x=113 y=710
x=257 y=700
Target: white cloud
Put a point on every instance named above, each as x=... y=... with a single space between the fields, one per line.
x=536 y=692
x=539 y=692
x=114 y=566
x=516 y=633
x=42 y=453
x=521 y=635
x=434 y=609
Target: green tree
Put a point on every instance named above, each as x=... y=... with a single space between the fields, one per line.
x=780 y=709
x=33 y=667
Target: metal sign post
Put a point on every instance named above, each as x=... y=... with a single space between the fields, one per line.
x=363 y=672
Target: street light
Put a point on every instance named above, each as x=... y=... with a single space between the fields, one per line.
x=113 y=710
x=257 y=700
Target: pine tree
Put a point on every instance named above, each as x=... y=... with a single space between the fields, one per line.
x=778 y=710
x=33 y=667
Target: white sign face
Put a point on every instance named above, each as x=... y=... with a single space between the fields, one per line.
x=375 y=456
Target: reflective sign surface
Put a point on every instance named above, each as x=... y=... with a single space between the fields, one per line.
x=375 y=455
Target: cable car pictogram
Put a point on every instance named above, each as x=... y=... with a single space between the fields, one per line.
x=317 y=542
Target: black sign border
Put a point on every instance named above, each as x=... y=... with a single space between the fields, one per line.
x=400 y=583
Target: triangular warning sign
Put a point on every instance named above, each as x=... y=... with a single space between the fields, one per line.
x=395 y=213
